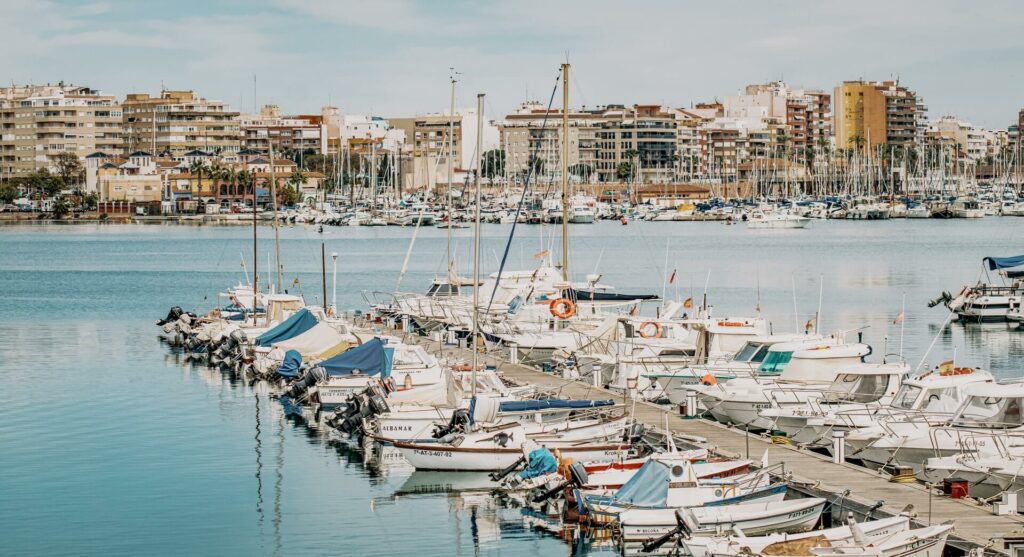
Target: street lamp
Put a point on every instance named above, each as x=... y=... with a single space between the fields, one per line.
x=334 y=285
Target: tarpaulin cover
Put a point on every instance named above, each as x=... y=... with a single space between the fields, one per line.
x=553 y=404
x=539 y=462
x=291 y=364
x=370 y=358
x=300 y=322
x=604 y=296
x=647 y=488
x=319 y=338
x=1004 y=262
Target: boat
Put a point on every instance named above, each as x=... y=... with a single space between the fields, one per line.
x=777 y=220
x=756 y=518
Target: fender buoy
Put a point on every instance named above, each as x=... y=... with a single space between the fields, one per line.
x=646 y=325
x=708 y=380
x=562 y=308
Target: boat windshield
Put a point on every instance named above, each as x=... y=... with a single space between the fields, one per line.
x=991 y=412
x=775 y=362
x=907 y=396
x=752 y=352
x=857 y=388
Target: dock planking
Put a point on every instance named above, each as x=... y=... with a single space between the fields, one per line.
x=811 y=473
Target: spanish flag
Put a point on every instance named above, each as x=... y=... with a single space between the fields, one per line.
x=540 y=254
x=688 y=304
x=898 y=320
x=809 y=326
x=946 y=367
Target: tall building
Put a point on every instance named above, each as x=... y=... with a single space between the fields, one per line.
x=964 y=142
x=177 y=122
x=643 y=137
x=805 y=116
x=532 y=131
x=39 y=122
x=872 y=113
x=288 y=134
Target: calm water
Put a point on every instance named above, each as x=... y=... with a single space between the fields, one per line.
x=108 y=445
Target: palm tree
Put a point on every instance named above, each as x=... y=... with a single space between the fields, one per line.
x=197 y=167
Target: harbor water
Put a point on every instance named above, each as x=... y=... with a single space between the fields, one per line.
x=109 y=445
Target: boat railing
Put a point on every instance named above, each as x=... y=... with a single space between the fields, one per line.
x=973 y=440
x=885 y=415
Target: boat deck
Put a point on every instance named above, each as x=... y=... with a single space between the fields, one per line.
x=812 y=473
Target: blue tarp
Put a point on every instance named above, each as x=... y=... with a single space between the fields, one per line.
x=539 y=462
x=300 y=322
x=291 y=364
x=1004 y=262
x=553 y=404
x=647 y=488
x=370 y=358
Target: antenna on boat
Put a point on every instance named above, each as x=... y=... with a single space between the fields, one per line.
x=821 y=290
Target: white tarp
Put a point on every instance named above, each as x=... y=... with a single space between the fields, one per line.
x=314 y=341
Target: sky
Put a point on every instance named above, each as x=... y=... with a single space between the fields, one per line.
x=393 y=57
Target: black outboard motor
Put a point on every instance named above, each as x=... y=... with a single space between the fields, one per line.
x=457 y=424
x=681 y=529
x=358 y=408
x=303 y=384
x=577 y=477
x=500 y=475
x=172 y=316
x=634 y=433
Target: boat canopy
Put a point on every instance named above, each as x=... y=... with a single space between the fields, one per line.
x=370 y=358
x=300 y=322
x=1003 y=262
x=605 y=296
x=647 y=488
x=552 y=404
x=291 y=364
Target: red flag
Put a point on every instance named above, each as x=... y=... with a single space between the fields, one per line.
x=672 y=278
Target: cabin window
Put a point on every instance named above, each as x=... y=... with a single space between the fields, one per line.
x=987 y=411
x=746 y=354
x=775 y=362
x=906 y=397
x=857 y=388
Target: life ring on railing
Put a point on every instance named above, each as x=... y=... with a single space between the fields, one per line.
x=728 y=492
x=562 y=308
x=643 y=328
x=731 y=324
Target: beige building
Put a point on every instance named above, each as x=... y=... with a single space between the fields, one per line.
x=176 y=122
x=533 y=130
x=288 y=134
x=872 y=113
x=39 y=122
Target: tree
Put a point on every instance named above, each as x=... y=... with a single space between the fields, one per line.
x=70 y=169
x=43 y=184
x=494 y=163
x=581 y=171
x=60 y=207
x=625 y=171
x=8 y=192
x=288 y=196
x=89 y=201
x=198 y=167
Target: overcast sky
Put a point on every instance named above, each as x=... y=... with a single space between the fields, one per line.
x=391 y=57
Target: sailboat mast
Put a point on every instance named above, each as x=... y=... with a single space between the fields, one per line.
x=277 y=231
x=476 y=234
x=565 y=172
x=255 y=267
x=451 y=172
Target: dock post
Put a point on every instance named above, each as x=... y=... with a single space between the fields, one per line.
x=451 y=337
x=691 y=403
x=838 y=447
x=513 y=353
x=406 y=324
x=595 y=372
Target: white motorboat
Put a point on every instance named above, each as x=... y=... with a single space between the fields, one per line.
x=755 y=518
x=777 y=220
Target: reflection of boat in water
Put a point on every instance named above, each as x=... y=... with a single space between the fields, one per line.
x=423 y=482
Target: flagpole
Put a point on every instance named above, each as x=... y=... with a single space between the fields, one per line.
x=821 y=291
x=796 y=315
x=664 y=280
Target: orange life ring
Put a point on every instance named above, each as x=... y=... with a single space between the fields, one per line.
x=562 y=308
x=642 y=329
x=730 y=324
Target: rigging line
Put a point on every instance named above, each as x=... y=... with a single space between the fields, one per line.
x=526 y=187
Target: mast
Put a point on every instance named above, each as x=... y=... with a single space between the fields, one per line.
x=277 y=231
x=255 y=267
x=451 y=171
x=476 y=234
x=565 y=172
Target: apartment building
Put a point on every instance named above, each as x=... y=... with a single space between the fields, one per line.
x=872 y=113
x=804 y=116
x=301 y=134
x=40 y=122
x=963 y=141
x=533 y=131
x=642 y=138
x=176 y=122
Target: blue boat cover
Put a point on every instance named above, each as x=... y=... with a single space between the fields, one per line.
x=539 y=462
x=553 y=404
x=300 y=322
x=1004 y=262
x=291 y=364
x=370 y=358
x=647 y=488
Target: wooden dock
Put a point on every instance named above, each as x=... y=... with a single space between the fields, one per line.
x=849 y=487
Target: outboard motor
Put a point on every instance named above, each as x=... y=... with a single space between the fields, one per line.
x=457 y=424
x=358 y=408
x=172 y=316
x=681 y=529
x=303 y=384
x=577 y=478
x=634 y=433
